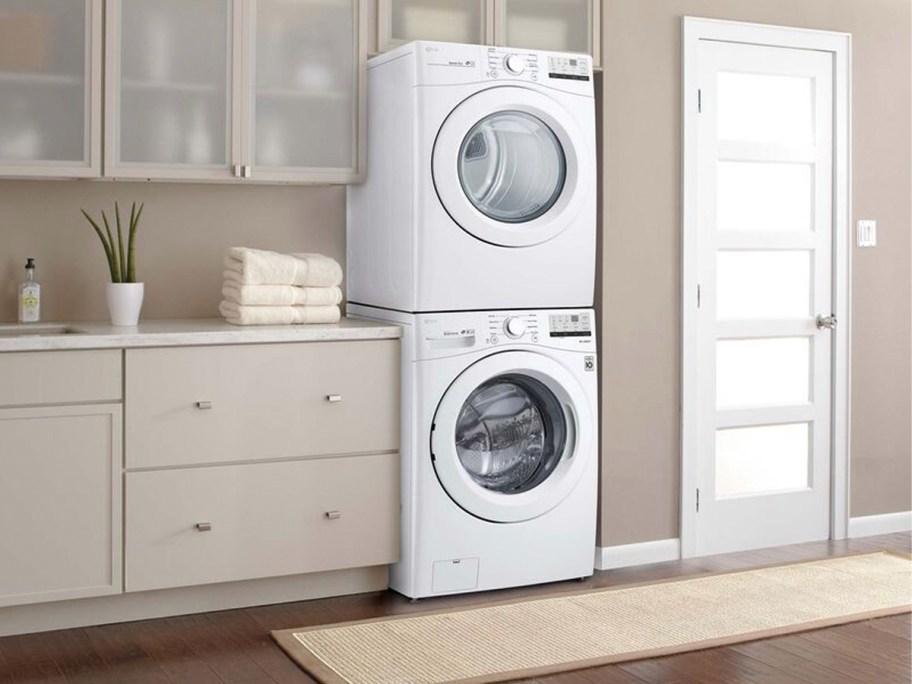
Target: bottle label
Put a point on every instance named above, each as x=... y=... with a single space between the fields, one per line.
x=30 y=306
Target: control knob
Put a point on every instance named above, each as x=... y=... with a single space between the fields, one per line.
x=515 y=64
x=514 y=327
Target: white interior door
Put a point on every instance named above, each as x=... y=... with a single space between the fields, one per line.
x=764 y=165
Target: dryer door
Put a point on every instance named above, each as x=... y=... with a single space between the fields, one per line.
x=511 y=166
x=511 y=436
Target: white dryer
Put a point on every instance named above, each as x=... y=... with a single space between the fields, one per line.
x=499 y=449
x=481 y=181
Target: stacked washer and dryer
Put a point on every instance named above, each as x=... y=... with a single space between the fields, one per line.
x=475 y=231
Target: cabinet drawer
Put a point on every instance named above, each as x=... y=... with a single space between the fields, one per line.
x=266 y=519
x=239 y=403
x=60 y=377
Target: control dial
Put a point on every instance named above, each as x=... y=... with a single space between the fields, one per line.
x=515 y=64
x=514 y=327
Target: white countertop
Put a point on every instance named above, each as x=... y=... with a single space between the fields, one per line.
x=185 y=333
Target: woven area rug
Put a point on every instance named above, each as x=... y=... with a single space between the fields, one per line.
x=502 y=641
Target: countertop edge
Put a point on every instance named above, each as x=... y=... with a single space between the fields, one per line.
x=194 y=333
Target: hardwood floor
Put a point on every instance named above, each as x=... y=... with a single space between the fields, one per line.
x=234 y=647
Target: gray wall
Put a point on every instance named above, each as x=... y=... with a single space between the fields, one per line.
x=188 y=226
x=640 y=306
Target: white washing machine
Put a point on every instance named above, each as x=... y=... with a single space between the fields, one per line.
x=499 y=449
x=481 y=181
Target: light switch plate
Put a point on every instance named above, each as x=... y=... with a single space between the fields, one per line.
x=866 y=233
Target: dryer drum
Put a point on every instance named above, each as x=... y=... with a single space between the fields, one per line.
x=511 y=434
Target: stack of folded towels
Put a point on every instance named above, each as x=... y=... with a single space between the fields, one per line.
x=268 y=288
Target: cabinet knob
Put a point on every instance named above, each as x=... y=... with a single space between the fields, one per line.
x=333 y=398
x=332 y=515
x=203 y=405
x=203 y=527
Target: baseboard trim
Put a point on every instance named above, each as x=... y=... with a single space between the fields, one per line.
x=42 y=617
x=642 y=553
x=887 y=523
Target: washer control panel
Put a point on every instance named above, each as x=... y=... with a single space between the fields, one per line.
x=575 y=68
x=570 y=324
x=507 y=327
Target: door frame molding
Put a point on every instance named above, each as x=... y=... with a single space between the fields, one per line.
x=694 y=30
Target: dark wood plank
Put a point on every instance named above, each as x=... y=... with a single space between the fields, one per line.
x=174 y=656
x=125 y=657
x=76 y=657
x=26 y=660
x=898 y=625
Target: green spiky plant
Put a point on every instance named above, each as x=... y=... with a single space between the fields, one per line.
x=122 y=262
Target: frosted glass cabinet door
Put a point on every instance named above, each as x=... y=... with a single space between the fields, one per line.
x=452 y=21
x=559 y=25
x=305 y=74
x=50 y=87
x=169 y=73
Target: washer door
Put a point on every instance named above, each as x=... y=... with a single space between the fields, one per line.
x=510 y=437
x=506 y=166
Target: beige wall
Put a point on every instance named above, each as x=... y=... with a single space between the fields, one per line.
x=641 y=252
x=185 y=230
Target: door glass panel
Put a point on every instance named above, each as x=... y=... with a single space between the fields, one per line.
x=762 y=460
x=763 y=284
x=510 y=434
x=765 y=108
x=560 y=25
x=512 y=166
x=43 y=55
x=453 y=21
x=305 y=84
x=763 y=196
x=762 y=372
x=174 y=84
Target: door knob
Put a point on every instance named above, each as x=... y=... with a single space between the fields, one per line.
x=826 y=322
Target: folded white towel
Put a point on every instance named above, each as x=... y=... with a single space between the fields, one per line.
x=260 y=267
x=278 y=315
x=280 y=295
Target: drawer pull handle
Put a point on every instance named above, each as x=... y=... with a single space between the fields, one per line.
x=203 y=405
x=333 y=398
x=333 y=515
x=203 y=527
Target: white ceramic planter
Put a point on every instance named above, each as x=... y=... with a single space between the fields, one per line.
x=124 y=302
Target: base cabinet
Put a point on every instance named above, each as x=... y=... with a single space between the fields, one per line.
x=193 y=526
x=60 y=503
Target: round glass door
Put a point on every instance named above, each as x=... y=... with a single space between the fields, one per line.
x=510 y=434
x=512 y=166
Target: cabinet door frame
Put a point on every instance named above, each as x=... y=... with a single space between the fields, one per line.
x=595 y=28
x=115 y=412
x=91 y=165
x=385 y=40
x=244 y=81
x=113 y=167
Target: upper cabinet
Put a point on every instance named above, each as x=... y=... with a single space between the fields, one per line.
x=559 y=25
x=257 y=90
x=302 y=84
x=452 y=21
x=170 y=89
x=50 y=88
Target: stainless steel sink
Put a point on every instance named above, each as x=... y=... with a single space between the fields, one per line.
x=37 y=330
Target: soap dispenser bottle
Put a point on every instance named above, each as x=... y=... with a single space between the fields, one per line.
x=30 y=295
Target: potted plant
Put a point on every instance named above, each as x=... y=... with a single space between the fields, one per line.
x=124 y=294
